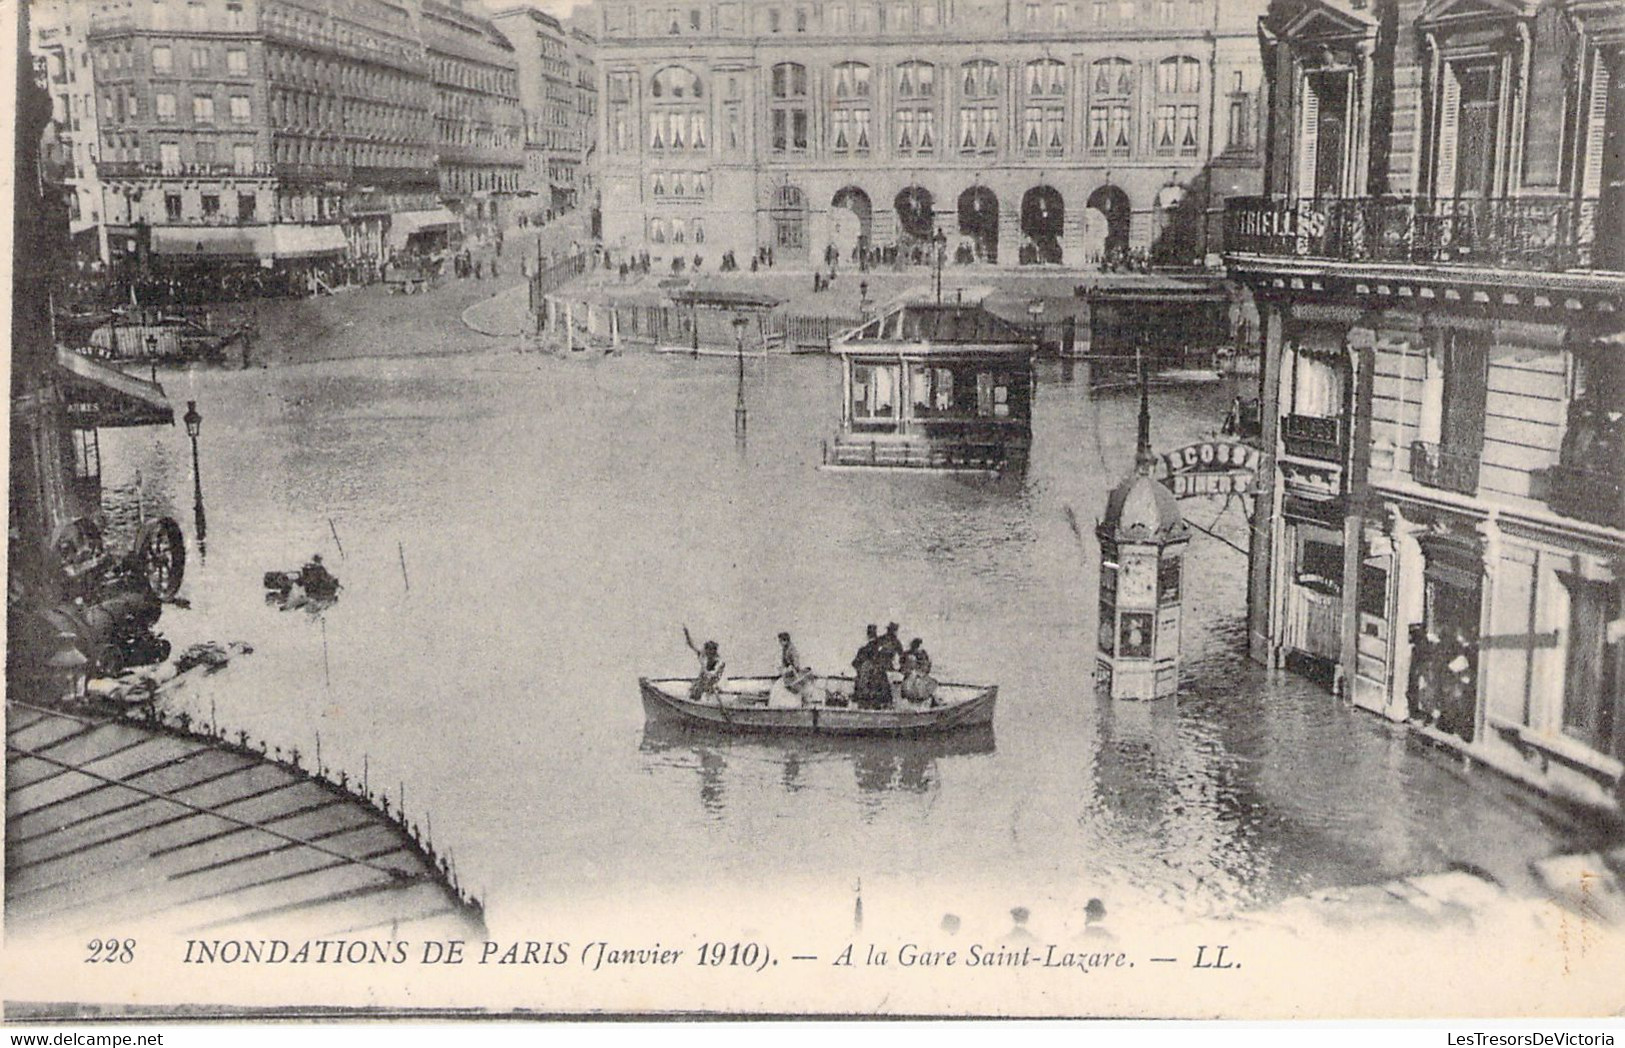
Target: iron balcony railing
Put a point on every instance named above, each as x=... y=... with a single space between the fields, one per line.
x=1589 y=494
x=159 y=169
x=1532 y=233
x=1307 y=436
x=1435 y=466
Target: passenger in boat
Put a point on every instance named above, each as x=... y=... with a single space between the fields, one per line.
x=707 y=687
x=795 y=680
x=891 y=647
x=919 y=687
x=871 y=688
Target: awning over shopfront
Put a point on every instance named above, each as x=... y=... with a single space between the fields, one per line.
x=207 y=241
x=247 y=242
x=307 y=241
x=102 y=396
x=405 y=223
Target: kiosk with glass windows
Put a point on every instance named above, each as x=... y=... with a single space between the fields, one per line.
x=943 y=387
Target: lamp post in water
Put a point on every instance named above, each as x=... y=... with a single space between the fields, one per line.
x=739 y=354
x=939 y=248
x=194 y=425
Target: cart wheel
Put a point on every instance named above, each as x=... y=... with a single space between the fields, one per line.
x=161 y=552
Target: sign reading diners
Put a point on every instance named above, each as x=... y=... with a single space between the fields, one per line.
x=1211 y=467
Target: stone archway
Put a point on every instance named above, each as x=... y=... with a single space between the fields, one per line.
x=1043 y=217
x=978 y=225
x=916 y=219
x=851 y=221
x=1111 y=204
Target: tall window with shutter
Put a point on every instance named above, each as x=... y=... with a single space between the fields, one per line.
x=1324 y=134
x=1469 y=129
x=1602 y=178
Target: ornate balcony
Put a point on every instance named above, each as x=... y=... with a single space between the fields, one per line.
x=158 y=169
x=1435 y=466
x=1540 y=234
x=1307 y=436
x=1589 y=494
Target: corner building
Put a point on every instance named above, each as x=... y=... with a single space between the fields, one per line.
x=1024 y=132
x=1439 y=262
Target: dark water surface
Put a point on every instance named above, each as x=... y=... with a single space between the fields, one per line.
x=524 y=536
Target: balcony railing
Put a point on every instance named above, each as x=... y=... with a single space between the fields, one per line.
x=158 y=169
x=1533 y=233
x=1315 y=438
x=314 y=172
x=1435 y=466
x=1591 y=495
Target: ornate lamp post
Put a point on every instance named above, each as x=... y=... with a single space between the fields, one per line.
x=863 y=300
x=194 y=424
x=1035 y=309
x=940 y=247
x=739 y=354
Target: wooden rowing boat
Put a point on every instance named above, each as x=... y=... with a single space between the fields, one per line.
x=741 y=706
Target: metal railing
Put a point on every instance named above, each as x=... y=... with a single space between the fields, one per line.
x=1434 y=466
x=1314 y=438
x=1591 y=495
x=157 y=168
x=1532 y=233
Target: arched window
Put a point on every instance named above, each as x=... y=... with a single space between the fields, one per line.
x=915 y=117
x=1111 y=107
x=678 y=118
x=978 y=106
x=851 y=110
x=788 y=108
x=1179 y=81
x=1043 y=125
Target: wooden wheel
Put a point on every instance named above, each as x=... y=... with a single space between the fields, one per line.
x=161 y=554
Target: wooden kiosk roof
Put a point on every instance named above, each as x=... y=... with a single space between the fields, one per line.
x=917 y=327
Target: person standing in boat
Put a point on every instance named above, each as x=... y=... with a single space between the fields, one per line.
x=871 y=689
x=789 y=691
x=919 y=687
x=891 y=647
x=707 y=687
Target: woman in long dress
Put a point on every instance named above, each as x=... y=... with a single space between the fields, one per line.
x=789 y=692
x=919 y=687
x=871 y=688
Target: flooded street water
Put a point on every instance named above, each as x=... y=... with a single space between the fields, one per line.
x=524 y=536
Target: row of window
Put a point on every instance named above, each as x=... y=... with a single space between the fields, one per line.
x=339 y=75
x=474 y=76
x=1109 y=130
x=978 y=78
x=127 y=107
x=295 y=108
x=355 y=38
x=475 y=136
x=676 y=230
x=469 y=179
x=895 y=16
x=198 y=14
x=201 y=59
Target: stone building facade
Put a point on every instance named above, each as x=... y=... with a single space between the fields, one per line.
x=479 y=124
x=1047 y=132
x=1439 y=265
x=251 y=113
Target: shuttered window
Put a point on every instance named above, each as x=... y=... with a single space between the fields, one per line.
x=1323 y=134
x=1469 y=124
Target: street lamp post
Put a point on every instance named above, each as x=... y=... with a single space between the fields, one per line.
x=739 y=354
x=194 y=424
x=940 y=247
x=1035 y=309
x=152 y=355
x=863 y=300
